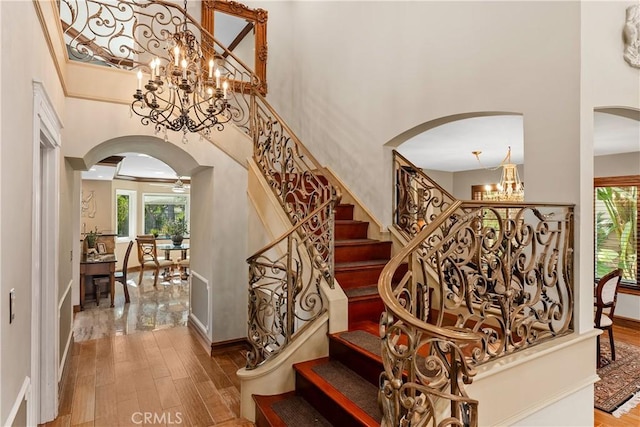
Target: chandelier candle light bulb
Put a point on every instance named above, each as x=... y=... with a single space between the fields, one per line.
x=190 y=102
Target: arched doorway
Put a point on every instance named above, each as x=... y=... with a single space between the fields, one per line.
x=445 y=147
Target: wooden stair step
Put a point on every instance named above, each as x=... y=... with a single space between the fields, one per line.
x=338 y=408
x=350 y=229
x=361 y=250
x=286 y=409
x=361 y=292
x=344 y=211
x=364 y=309
x=359 y=273
x=364 y=273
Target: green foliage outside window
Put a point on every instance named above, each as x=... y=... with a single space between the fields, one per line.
x=160 y=210
x=122 y=202
x=616 y=231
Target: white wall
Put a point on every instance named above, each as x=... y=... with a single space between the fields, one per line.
x=606 y=81
x=349 y=99
x=16 y=180
x=443 y=179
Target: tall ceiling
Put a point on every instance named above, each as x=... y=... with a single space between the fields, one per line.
x=446 y=148
x=134 y=165
x=449 y=147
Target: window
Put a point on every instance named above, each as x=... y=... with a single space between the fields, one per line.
x=125 y=214
x=159 y=209
x=616 y=226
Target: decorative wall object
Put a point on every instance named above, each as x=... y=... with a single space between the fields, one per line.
x=89 y=205
x=631 y=34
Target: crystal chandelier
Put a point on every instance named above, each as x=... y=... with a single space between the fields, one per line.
x=510 y=188
x=182 y=94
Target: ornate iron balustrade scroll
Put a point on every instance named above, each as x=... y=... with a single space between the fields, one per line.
x=284 y=285
x=295 y=177
x=129 y=34
x=425 y=366
x=504 y=270
x=418 y=199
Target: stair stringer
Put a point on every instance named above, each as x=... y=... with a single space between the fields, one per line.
x=377 y=230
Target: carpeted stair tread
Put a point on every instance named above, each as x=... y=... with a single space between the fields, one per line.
x=295 y=411
x=362 y=291
x=361 y=392
x=364 y=340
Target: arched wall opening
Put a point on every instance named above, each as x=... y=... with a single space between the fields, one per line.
x=616 y=171
x=218 y=207
x=494 y=132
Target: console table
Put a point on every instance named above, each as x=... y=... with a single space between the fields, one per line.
x=98 y=265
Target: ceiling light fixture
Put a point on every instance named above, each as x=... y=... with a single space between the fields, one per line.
x=178 y=187
x=181 y=94
x=510 y=188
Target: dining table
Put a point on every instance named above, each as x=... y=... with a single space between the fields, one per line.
x=168 y=247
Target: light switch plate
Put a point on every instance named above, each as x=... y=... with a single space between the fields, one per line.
x=12 y=305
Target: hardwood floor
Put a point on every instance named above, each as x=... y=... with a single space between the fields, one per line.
x=163 y=377
x=167 y=374
x=631 y=419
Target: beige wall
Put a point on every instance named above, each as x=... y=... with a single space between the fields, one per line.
x=102 y=219
x=18 y=71
x=617 y=165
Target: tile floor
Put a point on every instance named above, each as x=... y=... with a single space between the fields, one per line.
x=150 y=309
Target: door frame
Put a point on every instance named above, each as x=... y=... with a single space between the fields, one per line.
x=43 y=396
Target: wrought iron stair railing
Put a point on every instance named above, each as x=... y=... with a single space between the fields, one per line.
x=502 y=272
x=285 y=276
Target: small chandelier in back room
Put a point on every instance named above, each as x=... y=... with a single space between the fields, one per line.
x=183 y=94
x=510 y=188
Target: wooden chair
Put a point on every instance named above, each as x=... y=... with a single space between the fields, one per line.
x=121 y=275
x=184 y=265
x=148 y=257
x=606 y=297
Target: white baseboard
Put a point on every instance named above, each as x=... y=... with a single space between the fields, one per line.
x=22 y=396
x=65 y=354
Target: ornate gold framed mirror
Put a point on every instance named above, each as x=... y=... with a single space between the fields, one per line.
x=243 y=31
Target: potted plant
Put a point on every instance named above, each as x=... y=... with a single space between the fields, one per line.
x=176 y=229
x=91 y=237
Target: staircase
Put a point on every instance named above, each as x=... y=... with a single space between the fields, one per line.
x=341 y=389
